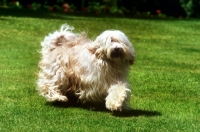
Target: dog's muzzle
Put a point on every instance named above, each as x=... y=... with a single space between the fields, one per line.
x=116 y=52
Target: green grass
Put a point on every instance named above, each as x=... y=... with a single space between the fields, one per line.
x=164 y=80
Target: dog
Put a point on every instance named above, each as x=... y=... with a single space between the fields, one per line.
x=94 y=72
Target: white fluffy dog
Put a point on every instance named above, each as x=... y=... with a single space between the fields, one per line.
x=93 y=71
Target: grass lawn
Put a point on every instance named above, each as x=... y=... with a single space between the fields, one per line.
x=165 y=79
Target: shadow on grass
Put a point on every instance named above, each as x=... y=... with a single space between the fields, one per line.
x=137 y=113
x=191 y=50
x=101 y=108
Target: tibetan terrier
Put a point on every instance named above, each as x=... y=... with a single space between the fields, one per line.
x=94 y=72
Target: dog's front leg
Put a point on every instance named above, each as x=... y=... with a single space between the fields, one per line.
x=118 y=97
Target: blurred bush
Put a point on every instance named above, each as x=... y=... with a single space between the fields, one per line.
x=147 y=8
x=191 y=7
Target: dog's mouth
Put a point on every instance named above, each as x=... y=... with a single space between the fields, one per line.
x=116 y=53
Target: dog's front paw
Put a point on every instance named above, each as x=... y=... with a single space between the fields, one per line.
x=59 y=98
x=118 y=97
x=62 y=98
x=114 y=105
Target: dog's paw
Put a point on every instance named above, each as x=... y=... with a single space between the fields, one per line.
x=117 y=97
x=59 y=98
x=114 y=105
x=62 y=98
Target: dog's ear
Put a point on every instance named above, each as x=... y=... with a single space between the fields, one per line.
x=97 y=51
x=60 y=40
x=92 y=49
x=131 y=61
x=131 y=54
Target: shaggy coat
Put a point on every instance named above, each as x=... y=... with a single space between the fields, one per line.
x=93 y=71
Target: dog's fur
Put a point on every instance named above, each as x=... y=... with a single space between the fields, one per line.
x=93 y=71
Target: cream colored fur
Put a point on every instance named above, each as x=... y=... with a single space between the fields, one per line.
x=93 y=71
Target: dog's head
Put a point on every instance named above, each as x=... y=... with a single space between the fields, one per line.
x=115 y=46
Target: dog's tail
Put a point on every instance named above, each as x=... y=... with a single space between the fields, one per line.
x=59 y=38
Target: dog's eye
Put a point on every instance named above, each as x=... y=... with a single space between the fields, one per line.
x=114 y=40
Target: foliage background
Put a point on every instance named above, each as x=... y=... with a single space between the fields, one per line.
x=173 y=8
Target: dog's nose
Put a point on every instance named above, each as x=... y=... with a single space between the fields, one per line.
x=116 y=52
x=116 y=49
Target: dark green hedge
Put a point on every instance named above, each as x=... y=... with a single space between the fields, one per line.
x=175 y=8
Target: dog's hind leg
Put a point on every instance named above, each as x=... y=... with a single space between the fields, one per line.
x=51 y=81
x=52 y=94
x=118 y=97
